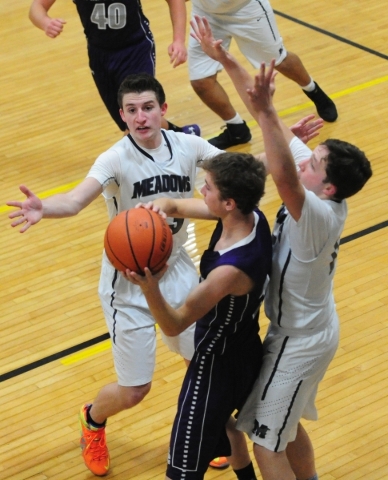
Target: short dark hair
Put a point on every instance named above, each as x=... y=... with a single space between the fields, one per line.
x=239 y=176
x=347 y=168
x=139 y=83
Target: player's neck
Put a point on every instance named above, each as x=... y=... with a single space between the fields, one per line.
x=235 y=228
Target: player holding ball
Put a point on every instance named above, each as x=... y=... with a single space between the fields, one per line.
x=225 y=309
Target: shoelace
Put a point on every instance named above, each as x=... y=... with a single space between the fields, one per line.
x=97 y=445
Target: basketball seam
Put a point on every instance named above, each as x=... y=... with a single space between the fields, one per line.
x=159 y=265
x=153 y=241
x=130 y=242
x=112 y=253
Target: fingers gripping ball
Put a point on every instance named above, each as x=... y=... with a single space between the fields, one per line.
x=138 y=238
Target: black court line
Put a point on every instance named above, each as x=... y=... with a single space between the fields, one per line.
x=362 y=233
x=105 y=336
x=54 y=356
x=332 y=35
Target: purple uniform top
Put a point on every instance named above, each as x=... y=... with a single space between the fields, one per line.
x=113 y=25
x=235 y=318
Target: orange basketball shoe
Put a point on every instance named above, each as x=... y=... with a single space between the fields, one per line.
x=93 y=445
x=219 y=462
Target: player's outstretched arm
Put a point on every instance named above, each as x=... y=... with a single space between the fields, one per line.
x=177 y=49
x=32 y=209
x=29 y=212
x=280 y=162
x=38 y=15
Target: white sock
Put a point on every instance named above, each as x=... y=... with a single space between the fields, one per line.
x=235 y=120
x=310 y=87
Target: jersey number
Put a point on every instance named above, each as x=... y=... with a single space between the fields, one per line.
x=176 y=225
x=114 y=18
x=334 y=256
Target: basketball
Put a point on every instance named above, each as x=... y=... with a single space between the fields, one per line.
x=138 y=238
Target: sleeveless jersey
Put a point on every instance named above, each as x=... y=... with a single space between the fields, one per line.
x=113 y=25
x=234 y=320
x=299 y=299
x=129 y=175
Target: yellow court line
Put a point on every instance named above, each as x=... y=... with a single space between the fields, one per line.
x=88 y=352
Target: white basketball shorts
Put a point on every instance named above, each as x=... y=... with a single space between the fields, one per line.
x=253 y=28
x=131 y=325
x=287 y=385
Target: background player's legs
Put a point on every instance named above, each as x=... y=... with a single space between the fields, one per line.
x=300 y=454
x=293 y=68
x=214 y=96
x=203 y=78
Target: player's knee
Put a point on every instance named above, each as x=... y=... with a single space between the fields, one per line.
x=131 y=396
x=203 y=85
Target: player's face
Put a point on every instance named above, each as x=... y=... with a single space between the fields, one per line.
x=211 y=195
x=143 y=116
x=312 y=172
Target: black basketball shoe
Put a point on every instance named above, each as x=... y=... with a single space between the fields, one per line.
x=324 y=105
x=233 y=134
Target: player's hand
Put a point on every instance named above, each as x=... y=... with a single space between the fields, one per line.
x=146 y=282
x=202 y=32
x=30 y=211
x=177 y=53
x=261 y=95
x=54 y=27
x=307 y=128
x=153 y=207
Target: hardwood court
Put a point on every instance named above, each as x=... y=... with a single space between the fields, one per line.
x=53 y=126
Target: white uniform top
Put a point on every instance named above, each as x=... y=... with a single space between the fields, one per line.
x=300 y=298
x=129 y=175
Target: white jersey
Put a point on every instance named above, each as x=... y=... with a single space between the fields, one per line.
x=129 y=174
x=300 y=298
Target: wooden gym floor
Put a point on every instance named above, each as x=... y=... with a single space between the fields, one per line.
x=54 y=352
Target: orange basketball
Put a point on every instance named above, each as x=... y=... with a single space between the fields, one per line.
x=138 y=238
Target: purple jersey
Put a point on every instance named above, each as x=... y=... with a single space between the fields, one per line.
x=226 y=361
x=113 y=25
x=235 y=318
